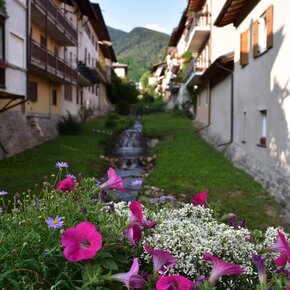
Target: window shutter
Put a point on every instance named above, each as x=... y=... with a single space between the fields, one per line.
x=33 y=91
x=269 y=23
x=244 y=50
x=255 y=38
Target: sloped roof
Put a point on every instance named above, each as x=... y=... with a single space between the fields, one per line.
x=235 y=11
x=194 y=6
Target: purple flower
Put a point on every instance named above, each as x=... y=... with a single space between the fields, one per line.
x=55 y=223
x=233 y=221
x=60 y=165
x=221 y=268
x=70 y=176
x=162 y=260
x=162 y=199
x=3 y=192
x=137 y=216
x=259 y=262
x=154 y=200
x=174 y=282
x=131 y=279
x=137 y=182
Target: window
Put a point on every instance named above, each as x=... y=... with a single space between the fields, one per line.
x=263 y=130
x=33 y=91
x=56 y=52
x=54 y=97
x=263 y=33
x=86 y=55
x=244 y=48
x=82 y=98
x=43 y=41
x=68 y=92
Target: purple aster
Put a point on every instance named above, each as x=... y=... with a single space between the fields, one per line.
x=60 y=165
x=137 y=182
x=55 y=223
x=3 y=192
x=154 y=200
x=71 y=176
x=1 y=209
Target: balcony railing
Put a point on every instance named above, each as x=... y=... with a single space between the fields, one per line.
x=196 y=67
x=99 y=71
x=52 y=63
x=57 y=17
x=198 y=33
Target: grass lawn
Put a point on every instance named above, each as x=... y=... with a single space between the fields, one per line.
x=186 y=165
x=82 y=152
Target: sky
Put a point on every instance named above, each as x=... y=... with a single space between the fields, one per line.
x=159 y=15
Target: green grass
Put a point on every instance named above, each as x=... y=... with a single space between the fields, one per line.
x=82 y=152
x=186 y=164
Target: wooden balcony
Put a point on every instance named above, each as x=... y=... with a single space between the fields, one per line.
x=49 y=17
x=51 y=67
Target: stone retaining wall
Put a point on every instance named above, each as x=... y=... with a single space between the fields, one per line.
x=18 y=132
x=272 y=180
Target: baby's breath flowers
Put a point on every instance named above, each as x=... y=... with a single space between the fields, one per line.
x=55 y=223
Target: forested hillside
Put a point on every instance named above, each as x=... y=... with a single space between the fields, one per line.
x=139 y=48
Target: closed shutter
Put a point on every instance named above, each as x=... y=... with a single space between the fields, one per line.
x=33 y=91
x=255 y=38
x=269 y=23
x=244 y=51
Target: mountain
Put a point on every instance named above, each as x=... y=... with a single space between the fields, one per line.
x=140 y=49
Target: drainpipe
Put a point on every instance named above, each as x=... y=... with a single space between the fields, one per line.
x=232 y=103
x=26 y=98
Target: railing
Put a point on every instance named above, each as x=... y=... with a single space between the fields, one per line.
x=196 y=66
x=45 y=57
x=57 y=16
x=198 y=21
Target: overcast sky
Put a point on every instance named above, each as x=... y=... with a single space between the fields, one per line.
x=160 y=15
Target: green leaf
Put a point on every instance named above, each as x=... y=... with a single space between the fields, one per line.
x=110 y=264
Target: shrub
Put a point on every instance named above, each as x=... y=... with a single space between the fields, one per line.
x=69 y=125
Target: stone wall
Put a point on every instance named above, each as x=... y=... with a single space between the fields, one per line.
x=277 y=184
x=18 y=132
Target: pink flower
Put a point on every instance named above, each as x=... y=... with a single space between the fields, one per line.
x=137 y=215
x=114 y=181
x=200 y=199
x=131 y=279
x=133 y=231
x=66 y=184
x=134 y=234
x=221 y=268
x=283 y=248
x=161 y=259
x=82 y=242
x=174 y=282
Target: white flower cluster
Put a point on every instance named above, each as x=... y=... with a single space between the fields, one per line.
x=189 y=232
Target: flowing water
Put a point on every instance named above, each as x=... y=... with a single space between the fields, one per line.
x=130 y=147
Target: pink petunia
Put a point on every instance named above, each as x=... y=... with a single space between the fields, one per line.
x=221 y=268
x=131 y=279
x=114 y=181
x=282 y=247
x=174 y=282
x=133 y=234
x=66 y=184
x=137 y=215
x=161 y=259
x=81 y=242
x=200 y=199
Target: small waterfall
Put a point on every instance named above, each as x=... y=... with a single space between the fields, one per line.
x=130 y=147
